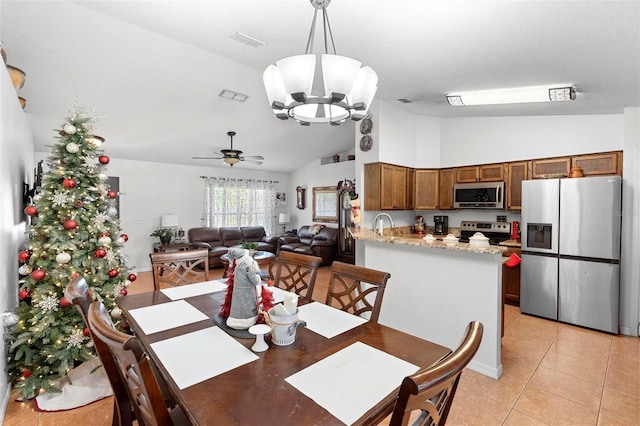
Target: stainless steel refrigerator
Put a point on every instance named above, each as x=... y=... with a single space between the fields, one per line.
x=570 y=237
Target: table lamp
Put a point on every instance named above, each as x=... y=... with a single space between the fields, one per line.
x=283 y=219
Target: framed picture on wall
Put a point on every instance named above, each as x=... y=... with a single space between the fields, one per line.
x=281 y=199
x=300 y=197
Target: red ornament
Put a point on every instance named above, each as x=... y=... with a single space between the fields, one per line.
x=69 y=183
x=100 y=253
x=125 y=237
x=70 y=224
x=105 y=234
x=123 y=291
x=113 y=273
x=112 y=194
x=74 y=275
x=132 y=277
x=64 y=302
x=103 y=159
x=85 y=332
x=24 y=256
x=26 y=374
x=38 y=274
x=31 y=211
x=23 y=294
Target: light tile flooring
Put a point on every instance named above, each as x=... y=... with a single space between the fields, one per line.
x=554 y=374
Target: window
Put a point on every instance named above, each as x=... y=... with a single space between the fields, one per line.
x=239 y=202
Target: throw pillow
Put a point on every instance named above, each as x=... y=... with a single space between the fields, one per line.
x=314 y=229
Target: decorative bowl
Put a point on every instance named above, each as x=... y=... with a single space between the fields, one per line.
x=478 y=240
x=450 y=239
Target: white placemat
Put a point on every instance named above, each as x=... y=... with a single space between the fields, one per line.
x=348 y=383
x=155 y=318
x=326 y=320
x=191 y=290
x=198 y=356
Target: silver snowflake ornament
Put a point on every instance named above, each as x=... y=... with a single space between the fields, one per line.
x=75 y=339
x=48 y=303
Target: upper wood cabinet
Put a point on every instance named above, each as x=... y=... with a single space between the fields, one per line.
x=426 y=189
x=606 y=163
x=482 y=173
x=550 y=167
x=411 y=189
x=385 y=187
x=516 y=173
x=446 y=180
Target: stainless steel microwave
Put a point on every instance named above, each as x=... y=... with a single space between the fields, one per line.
x=478 y=195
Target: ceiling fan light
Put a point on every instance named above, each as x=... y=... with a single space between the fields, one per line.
x=231 y=160
x=297 y=73
x=338 y=73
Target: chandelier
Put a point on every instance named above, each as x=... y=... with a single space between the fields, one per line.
x=348 y=88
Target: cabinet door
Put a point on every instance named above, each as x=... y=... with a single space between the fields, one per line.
x=411 y=189
x=466 y=174
x=393 y=187
x=551 y=168
x=447 y=178
x=511 y=280
x=516 y=173
x=491 y=172
x=427 y=189
x=372 y=187
x=606 y=163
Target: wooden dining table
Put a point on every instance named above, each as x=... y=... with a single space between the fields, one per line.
x=256 y=392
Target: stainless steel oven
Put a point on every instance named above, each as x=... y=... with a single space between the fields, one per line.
x=478 y=195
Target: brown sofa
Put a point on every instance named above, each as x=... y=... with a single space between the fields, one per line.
x=323 y=244
x=219 y=240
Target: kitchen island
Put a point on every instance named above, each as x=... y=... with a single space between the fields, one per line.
x=436 y=289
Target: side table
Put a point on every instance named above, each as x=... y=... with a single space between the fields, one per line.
x=161 y=248
x=263 y=258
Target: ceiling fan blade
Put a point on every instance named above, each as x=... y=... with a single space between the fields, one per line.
x=251 y=161
x=207 y=158
x=253 y=157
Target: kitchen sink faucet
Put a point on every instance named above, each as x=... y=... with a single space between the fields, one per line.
x=375 y=222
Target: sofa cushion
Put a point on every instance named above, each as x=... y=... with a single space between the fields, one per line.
x=206 y=235
x=231 y=236
x=304 y=236
x=252 y=233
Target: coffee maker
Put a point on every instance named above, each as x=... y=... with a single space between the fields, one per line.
x=441 y=225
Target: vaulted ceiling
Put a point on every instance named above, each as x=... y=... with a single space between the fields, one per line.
x=153 y=70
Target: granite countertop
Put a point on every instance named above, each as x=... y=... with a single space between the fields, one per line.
x=404 y=236
x=510 y=243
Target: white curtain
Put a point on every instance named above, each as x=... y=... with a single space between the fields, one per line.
x=239 y=202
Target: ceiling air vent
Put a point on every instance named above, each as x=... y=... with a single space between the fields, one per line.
x=243 y=38
x=405 y=100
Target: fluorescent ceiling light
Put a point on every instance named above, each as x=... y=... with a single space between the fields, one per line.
x=517 y=95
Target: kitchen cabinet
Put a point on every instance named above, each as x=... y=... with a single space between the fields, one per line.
x=481 y=173
x=550 y=167
x=446 y=180
x=426 y=189
x=606 y=163
x=511 y=279
x=385 y=187
x=516 y=173
x=411 y=189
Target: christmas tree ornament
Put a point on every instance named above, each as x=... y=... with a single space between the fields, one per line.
x=105 y=241
x=132 y=277
x=23 y=294
x=125 y=237
x=70 y=224
x=123 y=291
x=85 y=332
x=74 y=275
x=24 y=256
x=100 y=253
x=105 y=234
x=69 y=129
x=71 y=148
x=103 y=177
x=24 y=270
x=38 y=275
x=26 y=374
x=126 y=283
x=112 y=194
x=63 y=258
x=116 y=313
x=64 y=302
x=69 y=183
x=112 y=211
x=113 y=273
x=31 y=211
x=95 y=141
x=103 y=159
x=77 y=204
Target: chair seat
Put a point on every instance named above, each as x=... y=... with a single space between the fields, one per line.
x=304 y=250
x=290 y=246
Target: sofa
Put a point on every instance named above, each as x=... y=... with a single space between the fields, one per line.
x=219 y=240
x=316 y=240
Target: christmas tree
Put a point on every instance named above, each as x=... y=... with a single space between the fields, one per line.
x=74 y=231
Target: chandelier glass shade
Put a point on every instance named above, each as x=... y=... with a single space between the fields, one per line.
x=348 y=89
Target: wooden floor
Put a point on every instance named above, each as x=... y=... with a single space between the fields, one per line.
x=554 y=374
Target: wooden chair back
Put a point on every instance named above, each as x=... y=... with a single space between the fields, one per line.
x=351 y=288
x=77 y=291
x=430 y=391
x=297 y=272
x=176 y=268
x=134 y=366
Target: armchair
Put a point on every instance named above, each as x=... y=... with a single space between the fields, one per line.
x=323 y=244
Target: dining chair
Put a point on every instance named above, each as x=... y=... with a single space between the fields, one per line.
x=429 y=392
x=351 y=288
x=136 y=368
x=297 y=272
x=77 y=291
x=176 y=268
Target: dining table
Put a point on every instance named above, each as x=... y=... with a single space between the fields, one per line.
x=348 y=373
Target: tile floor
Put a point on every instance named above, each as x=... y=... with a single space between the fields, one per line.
x=554 y=374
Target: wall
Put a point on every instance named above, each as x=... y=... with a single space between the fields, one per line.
x=149 y=190
x=16 y=166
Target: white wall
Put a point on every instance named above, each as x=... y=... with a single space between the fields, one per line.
x=149 y=190
x=16 y=166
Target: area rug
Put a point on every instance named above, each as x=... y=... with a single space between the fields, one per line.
x=83 y=385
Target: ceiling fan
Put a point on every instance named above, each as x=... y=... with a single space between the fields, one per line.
x=233 y=156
